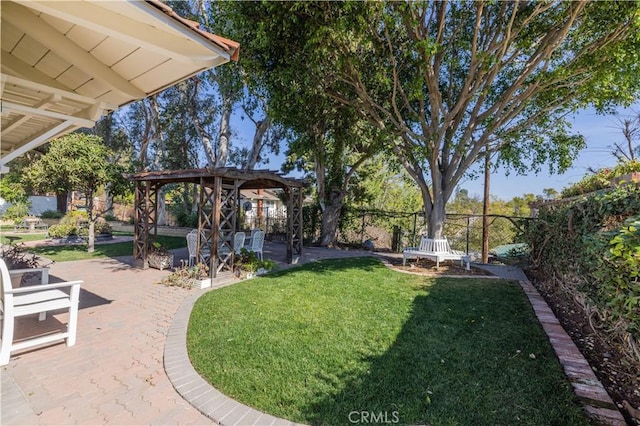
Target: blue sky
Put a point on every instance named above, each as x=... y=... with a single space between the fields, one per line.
x=600 y=132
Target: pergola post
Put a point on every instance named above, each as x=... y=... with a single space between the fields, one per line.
x=227 y=225
x=294 y=224
x=206 y=207
x=144 y=220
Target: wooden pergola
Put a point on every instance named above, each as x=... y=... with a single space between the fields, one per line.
x=218 y=207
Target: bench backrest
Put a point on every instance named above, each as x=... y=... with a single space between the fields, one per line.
x=431 y=245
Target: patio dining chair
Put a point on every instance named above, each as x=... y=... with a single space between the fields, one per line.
x=35 y=299
x=192 y=246
x=256 y=243
x=238 y=241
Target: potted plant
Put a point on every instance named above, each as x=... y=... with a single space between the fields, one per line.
x=189 y=277
x=159 y=256
x=247 y=265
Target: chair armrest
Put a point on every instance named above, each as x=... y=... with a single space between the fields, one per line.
x=36 y=288
x=410 y=249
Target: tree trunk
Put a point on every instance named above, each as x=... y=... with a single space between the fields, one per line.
x=92 y=223
x=108 y=200
x=330 y=221
x=161 y=208
x=225 y=134
x=261 y=130
x=62 y=201
x=435 y=220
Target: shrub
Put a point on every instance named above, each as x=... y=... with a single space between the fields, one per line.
x=186 y=219
x=102 y=227
x=601 y=179
x=76 y=217
x=51 y=214
x=62 y=230
x=110 y=218
x=17 y=211
x=590 y=248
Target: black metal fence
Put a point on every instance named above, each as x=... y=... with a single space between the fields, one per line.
x=394 y=231
x=272 y=221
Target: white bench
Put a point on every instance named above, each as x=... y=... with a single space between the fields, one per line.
x=436 y=250
x=36 y=299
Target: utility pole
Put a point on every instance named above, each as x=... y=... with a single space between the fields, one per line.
x=485 y=208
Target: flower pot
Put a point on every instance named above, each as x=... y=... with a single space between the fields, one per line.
x=160 y=260
x=203 y=283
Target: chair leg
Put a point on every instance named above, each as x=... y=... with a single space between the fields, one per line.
x=7 y=339
x=73 y=316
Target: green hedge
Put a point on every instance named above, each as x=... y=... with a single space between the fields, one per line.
x=591 y=246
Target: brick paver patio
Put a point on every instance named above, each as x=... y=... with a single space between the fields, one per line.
x=114 y=374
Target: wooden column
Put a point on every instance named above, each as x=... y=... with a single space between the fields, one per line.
x=144 y=220
x=294 y=224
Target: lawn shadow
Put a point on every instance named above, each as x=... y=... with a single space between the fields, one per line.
x=460 y=358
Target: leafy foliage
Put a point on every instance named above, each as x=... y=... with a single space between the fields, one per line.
x=11 y=189
x=601 y=179
x=450 y=81
x=78 y=162
x=17 y=211
x=63 y=230
x=186 y=276
x=51 y=214
x=17 y=257
x=595 y=256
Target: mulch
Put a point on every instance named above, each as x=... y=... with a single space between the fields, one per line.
x=428 y=268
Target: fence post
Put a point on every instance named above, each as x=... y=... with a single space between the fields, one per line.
x=468 y=232
x=415 y=220
x=362 y=229
x=395 y=240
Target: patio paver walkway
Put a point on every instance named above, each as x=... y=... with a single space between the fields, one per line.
x=114 y=374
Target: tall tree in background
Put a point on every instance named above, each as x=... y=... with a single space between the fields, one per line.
x=328 y=138
x=77 y=162
x=454 y=80
x=113 y=136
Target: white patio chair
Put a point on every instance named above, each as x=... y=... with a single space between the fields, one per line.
x=192 y=246
x=238 y=241
x=253 y=233
x=35 y=299
x=256 y=243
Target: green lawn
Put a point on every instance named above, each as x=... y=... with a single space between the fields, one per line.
x=16 y=238
x=79 y=252
x=333 y=341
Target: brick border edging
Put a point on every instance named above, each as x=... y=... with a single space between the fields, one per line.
x=595 y=399
x=194 y=389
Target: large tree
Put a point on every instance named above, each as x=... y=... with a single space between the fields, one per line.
x=455 y=81
x=77 y=162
